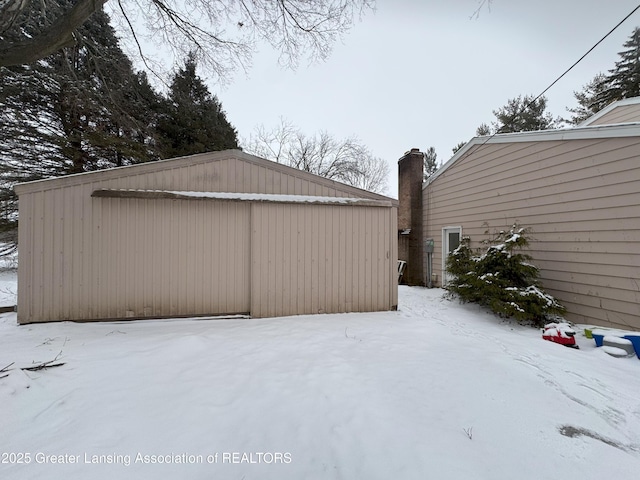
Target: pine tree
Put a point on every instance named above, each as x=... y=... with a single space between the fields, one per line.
x=589 y=99
x=430 y=163
x=623 y=81
x=523 y=114
x=106 y=109
x=502 y=278
x=85 y=107
x=458 y=147
x=81 y=109
x=483 y=130
x=192 y=119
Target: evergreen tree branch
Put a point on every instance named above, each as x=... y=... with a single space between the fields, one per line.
x=58 y=35
x=9 y=13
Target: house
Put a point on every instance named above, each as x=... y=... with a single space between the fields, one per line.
x=578 y=189
x=206 y=235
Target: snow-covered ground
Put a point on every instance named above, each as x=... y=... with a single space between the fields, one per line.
x=8 y=279
x=436 y=390
x=8 y=288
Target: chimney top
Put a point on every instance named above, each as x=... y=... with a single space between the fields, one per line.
x=413 y=150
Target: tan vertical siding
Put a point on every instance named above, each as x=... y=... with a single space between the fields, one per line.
x=393 y=242
x=94 y=258
x=145 y=258
x=164 y=257
x=26 y=230
x=320 y=259
x=581 y=198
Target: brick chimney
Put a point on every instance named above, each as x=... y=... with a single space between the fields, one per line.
x=410 y=221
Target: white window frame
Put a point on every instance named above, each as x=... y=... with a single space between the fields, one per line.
x=445 y=248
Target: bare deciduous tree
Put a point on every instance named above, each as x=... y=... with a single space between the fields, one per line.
x=221 y=33
x=481 y=5
x=345 y=160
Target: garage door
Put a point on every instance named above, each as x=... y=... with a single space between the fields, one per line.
x=162 y=257
x=321 y=259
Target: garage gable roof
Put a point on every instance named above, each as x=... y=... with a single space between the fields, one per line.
x=202 y=158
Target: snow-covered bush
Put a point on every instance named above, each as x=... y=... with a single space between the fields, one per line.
x=501 y=278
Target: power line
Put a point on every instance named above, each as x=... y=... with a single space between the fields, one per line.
x=565 y=72
x=587 y=53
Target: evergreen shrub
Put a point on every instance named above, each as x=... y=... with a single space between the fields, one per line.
x=501 y=278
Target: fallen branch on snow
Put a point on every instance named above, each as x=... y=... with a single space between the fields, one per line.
x=45 y=365
x=5 y=369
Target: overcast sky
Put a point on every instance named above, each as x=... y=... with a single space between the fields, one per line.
x=421 y=73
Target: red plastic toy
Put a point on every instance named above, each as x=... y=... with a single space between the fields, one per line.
x=561 y=333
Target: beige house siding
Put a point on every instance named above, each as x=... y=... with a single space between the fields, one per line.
x=84 y=257
x=620 y=114
x=581 y=198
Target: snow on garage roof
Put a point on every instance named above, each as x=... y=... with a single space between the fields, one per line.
x=239 y=197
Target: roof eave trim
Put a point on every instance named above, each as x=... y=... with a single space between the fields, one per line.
x=230 y=197
x=609 y=108
x=577 y=133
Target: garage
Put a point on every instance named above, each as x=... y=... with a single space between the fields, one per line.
x=213 y=234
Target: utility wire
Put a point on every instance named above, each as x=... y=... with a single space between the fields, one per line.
x=582 y=57
x=565 y=72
